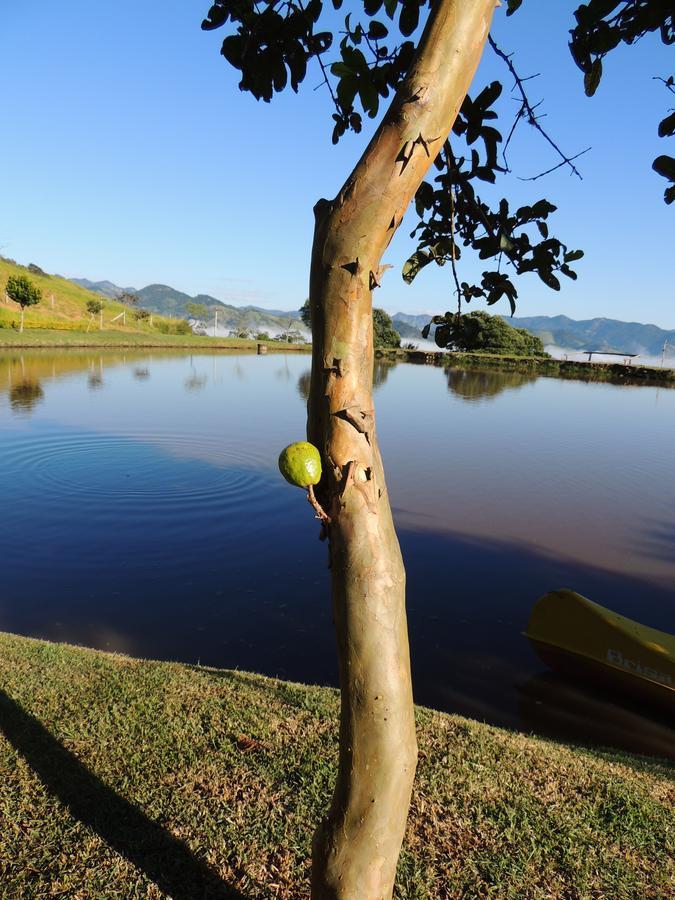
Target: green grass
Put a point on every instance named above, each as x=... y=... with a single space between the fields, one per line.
x=45 y=338
x=134 y=779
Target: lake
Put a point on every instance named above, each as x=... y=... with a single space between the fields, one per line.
x=142 y=511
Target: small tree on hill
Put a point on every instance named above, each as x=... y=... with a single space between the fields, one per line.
x=196 y=311
x=21 y=290
x=127 y=298
x=95 y=308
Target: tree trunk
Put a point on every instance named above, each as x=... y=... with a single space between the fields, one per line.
x=21 y=326
x=356 y=846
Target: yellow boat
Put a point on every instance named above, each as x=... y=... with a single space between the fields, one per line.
x=583 y=639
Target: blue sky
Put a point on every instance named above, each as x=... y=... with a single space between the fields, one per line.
x=128 y=153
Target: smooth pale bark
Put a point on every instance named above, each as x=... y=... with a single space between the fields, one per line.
x=357 y=845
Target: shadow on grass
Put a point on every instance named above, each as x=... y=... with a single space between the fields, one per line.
x=164 y=859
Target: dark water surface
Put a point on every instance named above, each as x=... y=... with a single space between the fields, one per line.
x=141 y=510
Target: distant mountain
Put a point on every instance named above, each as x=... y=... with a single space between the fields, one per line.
x=561 y=331
x=570 y=334
x=282 y=313
x=417 y=322
x=105 y=288
x=169 y=302
x=598 y=334
x=407 y=332
x=163 y=299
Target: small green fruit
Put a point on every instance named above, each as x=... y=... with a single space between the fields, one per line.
x=300 y=464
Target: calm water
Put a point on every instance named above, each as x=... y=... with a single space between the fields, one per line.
x=142 y=511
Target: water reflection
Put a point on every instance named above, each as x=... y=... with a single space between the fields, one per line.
x=24 y=395
x=479 y=385
x=303 y=385
x=195 y=382
x=381 y=371
x=560 y=708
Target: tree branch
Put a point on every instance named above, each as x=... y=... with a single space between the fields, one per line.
x=527 y=111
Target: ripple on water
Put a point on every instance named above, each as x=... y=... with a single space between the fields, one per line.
x=146 y=469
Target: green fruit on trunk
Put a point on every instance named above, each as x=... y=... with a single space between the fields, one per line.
x=300 y=464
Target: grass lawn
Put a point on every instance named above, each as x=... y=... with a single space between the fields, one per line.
x=46 y=337
x=126 y=778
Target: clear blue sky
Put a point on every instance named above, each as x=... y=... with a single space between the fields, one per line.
x=129 y=154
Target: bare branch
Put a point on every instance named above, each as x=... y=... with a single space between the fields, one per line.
x=670 y=85
x=527 y=112
x=565 y=162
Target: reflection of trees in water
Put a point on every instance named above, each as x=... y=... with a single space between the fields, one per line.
x=195 y=382
x=477 y=385
x=303 y=384
x=381 y=370
x=24 y=395
x=284 y=373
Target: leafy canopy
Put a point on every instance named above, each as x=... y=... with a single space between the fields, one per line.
x=94 y=307
x=272 y=43
x=21 y=290
x=384 y=333
x=479 y=332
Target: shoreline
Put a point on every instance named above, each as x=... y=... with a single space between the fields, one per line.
x=53 y=339
x=611 y=373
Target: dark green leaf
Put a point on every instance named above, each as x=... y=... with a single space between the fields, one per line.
x=592 y=77
x=442 y=335
x=488 y=95
x=377 y=31
x=549 y=279
x=667 y=126
x=390 y=7
x=412 y=266
x=573 y=255
x=409 y=18
x=665 y=165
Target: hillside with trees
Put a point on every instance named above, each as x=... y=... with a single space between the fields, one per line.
x=65 y=306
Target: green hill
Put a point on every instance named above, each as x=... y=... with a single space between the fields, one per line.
x=64 y=307
x=166 y=300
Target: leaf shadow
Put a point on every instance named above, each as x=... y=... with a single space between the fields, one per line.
x=163 y=858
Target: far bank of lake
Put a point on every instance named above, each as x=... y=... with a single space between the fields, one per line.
x=613 y=373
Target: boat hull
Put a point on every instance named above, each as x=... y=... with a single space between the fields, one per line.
x=583 y=640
